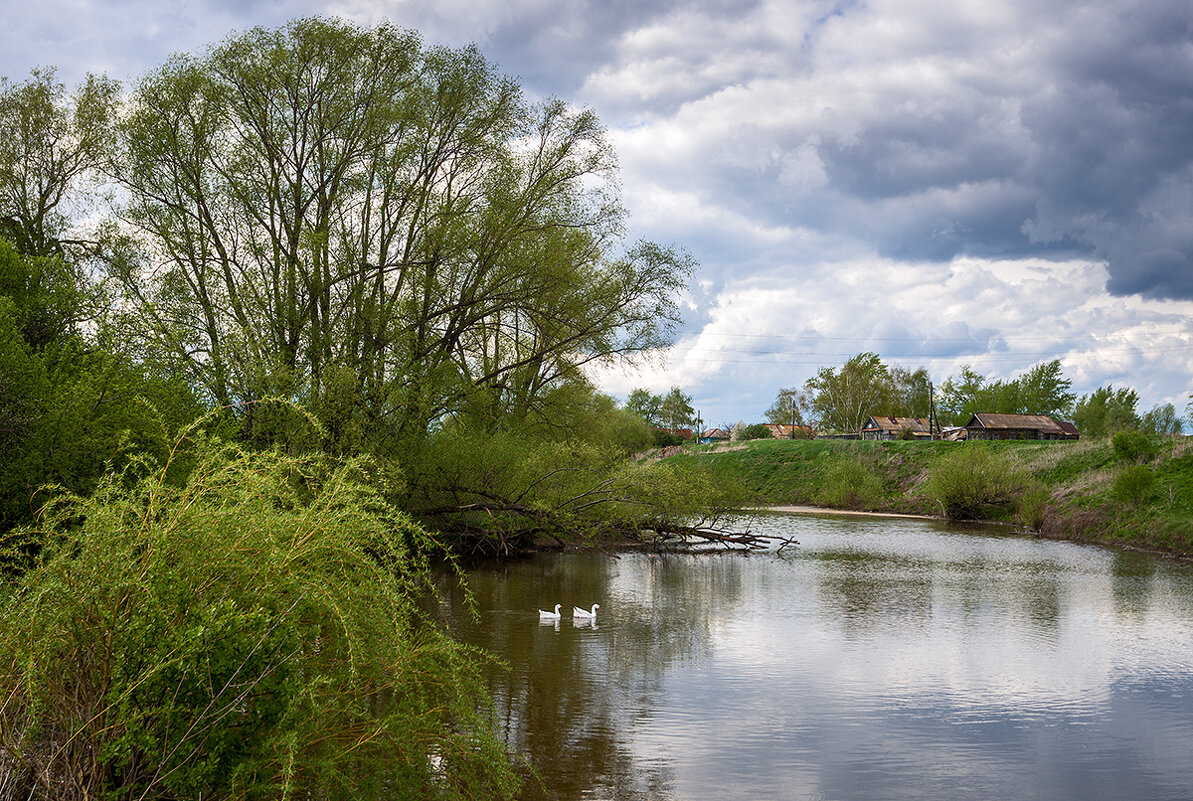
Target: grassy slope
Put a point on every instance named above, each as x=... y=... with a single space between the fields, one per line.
x=1078 y=475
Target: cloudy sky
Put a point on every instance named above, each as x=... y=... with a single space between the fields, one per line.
x=943 y=182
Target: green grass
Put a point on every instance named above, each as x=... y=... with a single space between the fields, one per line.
x=1078 y=479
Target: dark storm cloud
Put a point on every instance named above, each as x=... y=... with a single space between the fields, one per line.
x=1000 y=131
x=1116 y=159
x=1105 y=151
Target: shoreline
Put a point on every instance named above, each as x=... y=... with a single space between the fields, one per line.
x=823 y=510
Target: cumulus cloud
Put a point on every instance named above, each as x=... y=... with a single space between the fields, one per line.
x=931 y=129
x=992 y=182
x=775 y=329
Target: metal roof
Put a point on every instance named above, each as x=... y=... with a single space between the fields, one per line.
x=1033 y=422
x=898 y=424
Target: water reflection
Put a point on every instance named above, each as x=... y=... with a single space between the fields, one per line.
x=880 y=659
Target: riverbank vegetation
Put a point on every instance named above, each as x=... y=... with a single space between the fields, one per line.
x=362 y=277
x=253 y=631
x=273 y=312
x=1132 y=489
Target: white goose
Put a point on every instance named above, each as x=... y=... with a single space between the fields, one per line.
x=585 y=613
x=545 y=615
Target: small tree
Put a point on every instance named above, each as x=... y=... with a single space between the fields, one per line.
x=789 y=407
x=974 y=482
x=1134 y=484
x=1162 y=421
x=848 y=484
x=647 y=406
x=843 y=399
x=1133 y=446
x=756 y=431
x=676 y=410
x=1106 y=411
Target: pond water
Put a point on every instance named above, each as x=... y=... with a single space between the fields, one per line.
x=879 y=659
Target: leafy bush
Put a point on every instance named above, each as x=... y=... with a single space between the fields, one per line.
x=756 y=431
x=256 y=632
x=665 y=439
x=848 y=484
x=1134 y=446
x=1134 y=485
x=975 y=482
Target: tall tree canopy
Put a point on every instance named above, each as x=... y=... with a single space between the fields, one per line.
x=1106 y=411
x=1041 y=390
x=333 y=212
x=52 y=144
x=844 y=399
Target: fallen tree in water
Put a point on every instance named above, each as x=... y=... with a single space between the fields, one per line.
x=507 y=496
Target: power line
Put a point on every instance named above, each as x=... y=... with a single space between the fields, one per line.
x=932 y=340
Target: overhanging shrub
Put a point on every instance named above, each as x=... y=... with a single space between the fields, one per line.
x=254 y=633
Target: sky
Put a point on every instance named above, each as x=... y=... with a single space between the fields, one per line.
x=992 y=183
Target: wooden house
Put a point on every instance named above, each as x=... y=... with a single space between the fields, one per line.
x=713 y=435
x=987 y=426
x=785 y=431
x=888 y=428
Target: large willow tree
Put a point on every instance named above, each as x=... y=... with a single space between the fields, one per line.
x=384 y=231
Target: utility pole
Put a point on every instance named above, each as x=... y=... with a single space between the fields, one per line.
x=793 y=415
x=931 y=412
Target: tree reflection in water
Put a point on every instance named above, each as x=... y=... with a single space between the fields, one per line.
x=879 y=660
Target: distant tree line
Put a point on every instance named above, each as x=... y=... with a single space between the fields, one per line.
x=842 y=399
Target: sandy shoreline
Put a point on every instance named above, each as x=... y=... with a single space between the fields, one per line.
x=820 y=510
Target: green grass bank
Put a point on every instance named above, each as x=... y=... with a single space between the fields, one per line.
x=1132 y=491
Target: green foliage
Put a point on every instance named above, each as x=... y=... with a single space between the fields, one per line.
x=494 y=491
x=1041 y=390
x=575 y=412
x=1162 y=421
x=1134 y=446
x=911 y=393
x=1106 y=411
x=435 y=244
x=676 y=411
x=69 y=409
x=849 y=484
x=669 y=494
x=665 y=439
x=789 y=407
x=843 y=400
x=1134 y=484
x=49 y=296
x=52 y=142
x=755 y=431
x=973 y=482
x=647 y=406
x=255 y=632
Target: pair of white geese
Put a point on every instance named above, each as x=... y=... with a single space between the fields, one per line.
x=577 y=612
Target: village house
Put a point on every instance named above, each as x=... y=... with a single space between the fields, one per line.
x=1018 y=426
x=714 y=435
x=784 y=431
x=888 y=428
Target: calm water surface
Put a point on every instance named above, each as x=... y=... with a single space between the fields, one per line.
x=881 y=659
